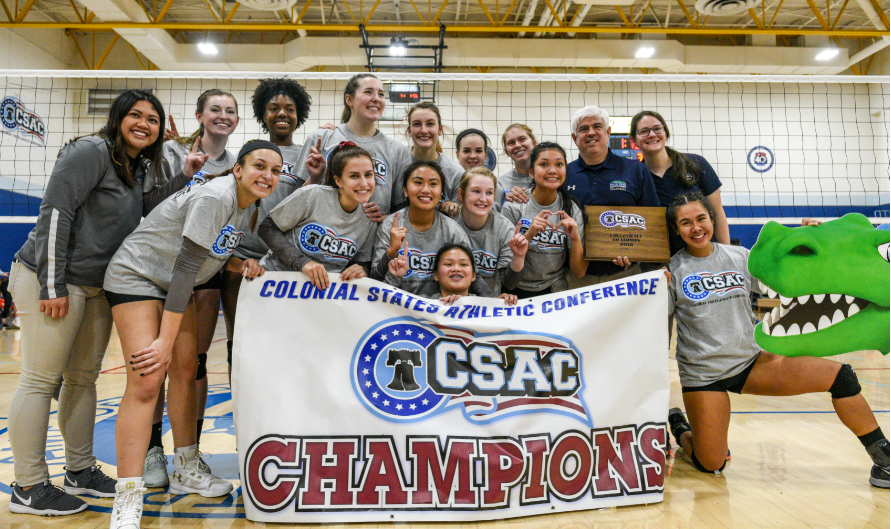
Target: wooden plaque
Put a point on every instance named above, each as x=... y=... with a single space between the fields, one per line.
x=638 y=232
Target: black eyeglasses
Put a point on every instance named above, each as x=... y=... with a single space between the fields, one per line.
x=643 y=133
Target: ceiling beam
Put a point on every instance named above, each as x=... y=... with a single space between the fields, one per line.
x=410 y=28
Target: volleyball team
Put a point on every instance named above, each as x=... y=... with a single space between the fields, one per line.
x=154 y=235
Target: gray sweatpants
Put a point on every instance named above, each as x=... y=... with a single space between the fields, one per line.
x=69 y=349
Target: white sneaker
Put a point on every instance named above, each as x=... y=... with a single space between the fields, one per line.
x=189 y=477
x=127 y=510
x=154 y=474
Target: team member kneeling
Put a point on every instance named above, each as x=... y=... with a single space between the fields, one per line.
x=717 y=353
x=149 y=283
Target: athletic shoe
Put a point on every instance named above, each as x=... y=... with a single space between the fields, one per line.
x=44 y=499
x=878 y=477
x=127 y=510
x=154 y=474
x=91 y=481
x=190 y=478
x=202 y=464
x=678 y=424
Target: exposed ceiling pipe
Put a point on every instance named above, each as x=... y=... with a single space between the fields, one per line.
x=458 y=11
x=547 y=17
x=398 y=12
x=875 y=47
x=867 y=8
x=530 y=14
x=579 y=18
x=562 y=14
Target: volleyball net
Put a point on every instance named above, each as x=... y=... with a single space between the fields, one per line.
x=783 y=147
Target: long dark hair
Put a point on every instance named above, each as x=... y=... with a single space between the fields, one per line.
x=111 y=132
x=407 y=174
x=338 y=158
x=199 y=108
x=269 y=88
x=452 y=246
x=350 y=90
x=680 y=163
x=569 y=203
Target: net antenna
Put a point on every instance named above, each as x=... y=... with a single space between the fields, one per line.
x=401 y=54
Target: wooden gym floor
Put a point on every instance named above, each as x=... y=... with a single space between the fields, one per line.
x=794 y=464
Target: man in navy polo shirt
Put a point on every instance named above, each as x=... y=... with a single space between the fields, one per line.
x=600 y=177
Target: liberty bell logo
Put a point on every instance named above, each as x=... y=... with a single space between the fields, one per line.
x=404 y=362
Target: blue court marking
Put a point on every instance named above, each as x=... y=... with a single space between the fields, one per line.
x=875 y=383
x=790 y=412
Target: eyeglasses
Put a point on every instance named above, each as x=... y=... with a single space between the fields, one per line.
x=643 y=133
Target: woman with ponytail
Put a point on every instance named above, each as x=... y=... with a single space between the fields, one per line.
x=676 y=173
x=363 y=105
x=300 y=230
x=182 y=243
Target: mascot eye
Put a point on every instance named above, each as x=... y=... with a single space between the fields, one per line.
x=885 y=251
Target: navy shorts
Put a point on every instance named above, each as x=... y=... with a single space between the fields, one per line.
x=732 y=384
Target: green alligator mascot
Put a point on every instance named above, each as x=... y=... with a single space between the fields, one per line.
x=833 y=284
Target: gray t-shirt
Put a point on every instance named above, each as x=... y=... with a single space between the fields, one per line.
x=546 y=260
x=512 y=179
x=175 y=154
x=207 y=213
x=252 y=246
x=491 y=248
x=422 y=248
x=320 y=229
x=709 y=297
x=453 y=173
x=389 y=157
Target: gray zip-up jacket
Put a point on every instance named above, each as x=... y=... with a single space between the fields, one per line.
x=86 y=213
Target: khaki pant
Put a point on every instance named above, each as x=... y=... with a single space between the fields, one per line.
x=68 y=349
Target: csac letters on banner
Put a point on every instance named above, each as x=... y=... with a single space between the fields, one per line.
x=365 y=403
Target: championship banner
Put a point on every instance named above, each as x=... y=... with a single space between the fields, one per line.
x=362 y=402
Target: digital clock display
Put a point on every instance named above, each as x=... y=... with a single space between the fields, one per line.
x=405 y=93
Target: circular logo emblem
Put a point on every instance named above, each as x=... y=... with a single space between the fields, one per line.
x=7 y=113
x=389 y=371
x=760 y=159
x=311 y=235
x=693 y=289
x=608 y=218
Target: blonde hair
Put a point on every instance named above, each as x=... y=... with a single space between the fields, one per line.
x=476 y=171
x=521 y=126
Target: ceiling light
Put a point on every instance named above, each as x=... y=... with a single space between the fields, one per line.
x=827 y=54
x=397 y=47
x=207 y=48
x=645 y=52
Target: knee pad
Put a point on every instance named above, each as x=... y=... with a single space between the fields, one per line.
x=845 y=384
x=202 y=367
x=701 y=468
x=229 y=349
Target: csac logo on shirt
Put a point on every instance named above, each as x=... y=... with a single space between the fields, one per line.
x=380 y=171
x=699 y=286
x=15 y=117
x=227 y=241
x=198 y=178
x=323 y=241
x=545 y=239
x=486 y=263
x=611 y=219
x=420 y=264
x=404 y=370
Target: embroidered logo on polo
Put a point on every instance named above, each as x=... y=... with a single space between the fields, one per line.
x=617 y=185
x=322 y=241
x=611 y=219
x=698 y=287
x=420 y=264
x=404 y=370
x=227 y=241
x=486 y=263
x=546 y=239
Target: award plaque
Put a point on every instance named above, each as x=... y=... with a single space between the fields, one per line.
x=638 y=232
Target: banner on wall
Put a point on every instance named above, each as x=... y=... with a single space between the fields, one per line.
x=19 y=121
x=362 y=402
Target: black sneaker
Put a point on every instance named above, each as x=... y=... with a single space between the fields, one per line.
x=91 y=481
x=678 y=424
x=44 y=499
x=878 y=477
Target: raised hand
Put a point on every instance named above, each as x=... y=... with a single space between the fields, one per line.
x=399 y=265
x=171 y=133
x=570 y=227
x=195 y=160
x=315 y=163
x=539 y=224
x=519 y=245
x=397 y=237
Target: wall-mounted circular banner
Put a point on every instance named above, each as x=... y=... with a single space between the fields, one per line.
x=760 y=159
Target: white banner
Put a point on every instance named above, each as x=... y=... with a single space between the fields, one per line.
x=365 y=403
